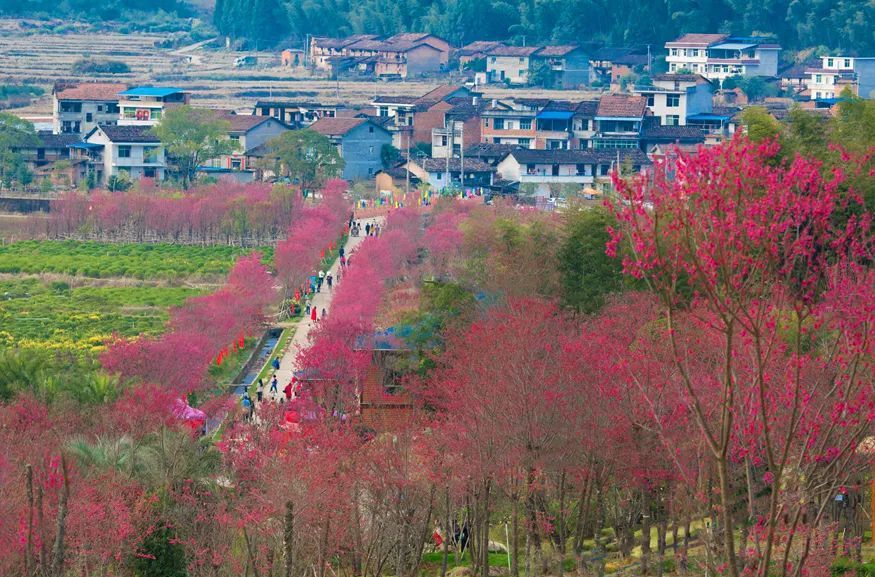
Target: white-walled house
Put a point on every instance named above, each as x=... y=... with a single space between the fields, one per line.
x=839 y=72
x=144 y=105
x=78 y=108
x=131 y=151
x=719 y=56
x=674 y=97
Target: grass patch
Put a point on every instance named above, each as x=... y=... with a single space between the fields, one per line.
x=53 y=316
x=110 y=260
x=278 y=351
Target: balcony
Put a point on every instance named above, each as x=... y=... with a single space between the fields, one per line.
x=557 y=179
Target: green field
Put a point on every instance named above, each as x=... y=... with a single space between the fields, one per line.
x=109 y=260
x=52 y=315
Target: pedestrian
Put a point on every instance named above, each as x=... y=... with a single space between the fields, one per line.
x=313 y=314
x=368 y=229
x=348 y=261
x=248 y=407
x=275 y=363
x=259 y=391
x=329 y=279
x=341 y=251
x=288 y=391
x=308 y=307
x=273 y=384
x=324 y=314
x=342 y=261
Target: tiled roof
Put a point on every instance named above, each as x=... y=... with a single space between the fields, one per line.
x=489 y=150
x=478 y=47
x=621 y=106
x=395 y=99
x=587 y=108
x=561 y=50
x=337 y=43
x=440 y=165
x=49 y=140
x=245 y=122
x=514 y=50
x=681 y=133
x=698 y=39
x=336 y=126
x=584 y=156
x=676 y=77
x=129 y=133
x=436 y=95
x=104 y=91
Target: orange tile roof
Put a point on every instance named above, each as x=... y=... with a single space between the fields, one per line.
x=90 y=91
x=621 y=106
x=336 y=126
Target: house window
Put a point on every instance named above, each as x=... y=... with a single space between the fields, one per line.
x=830 y=63
x=581 y=169
x=818 y=79
x=522 y=60
x=150 y=154
x=673 y=100
x=650 y=100
x=673 y=67
x=236 y=164
x=443 y=140
x=672 y=120
x=525 y=142
x=674 y=51
x=124 y=151
x=370 y=150
x=111 y=109
x=371 y=129
x=847 y=62
x=498 y=124
x=149 y=172
x=440 y=176
x=604 y=169
x=493 y=59
x=71 y=107
x=526 y=124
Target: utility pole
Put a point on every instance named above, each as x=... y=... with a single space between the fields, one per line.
x=449 y=153
x=462 y=155
x=407 y=177
x=649 y=70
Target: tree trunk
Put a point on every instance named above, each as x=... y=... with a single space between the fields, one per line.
x=484 y=569
x=728 y=526
x=445 y=546
x=645 y=536
x=250 y=553
x=661 y=533
x=61 y=525
x=28 y=550
x=560 y=525
x=289 y=540
x=40 y=520
x=515 y=535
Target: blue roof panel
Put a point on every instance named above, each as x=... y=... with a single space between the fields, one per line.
x=555 y=115
x=157 y=91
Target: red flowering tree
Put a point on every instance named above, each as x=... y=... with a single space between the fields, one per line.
x=744 y=255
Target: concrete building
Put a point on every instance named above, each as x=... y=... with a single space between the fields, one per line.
x=561 y=172
x=414 y=118
x=249 y=132
x=619 y=119
x=130 y=151
x=50 y=159
x=359 y=141
x=78 y=108
x=144 y=105
x=477 y=174
x=296 y=114
x=510 y=64
x=568 y=65
x=404 y=55
x=719 y=56
x=674 y=97
x=835 y=73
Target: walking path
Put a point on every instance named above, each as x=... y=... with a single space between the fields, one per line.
x=320 y=300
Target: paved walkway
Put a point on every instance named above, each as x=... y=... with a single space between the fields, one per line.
x=321 y=300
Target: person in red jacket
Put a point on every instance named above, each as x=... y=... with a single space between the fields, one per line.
x=288 y=391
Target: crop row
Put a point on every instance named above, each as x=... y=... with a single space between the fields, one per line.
x=110 y=260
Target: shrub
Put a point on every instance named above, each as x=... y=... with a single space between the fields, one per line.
x=89 y=66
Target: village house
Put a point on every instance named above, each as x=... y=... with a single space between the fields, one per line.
x=292 y=58
x=619 y=119
x=461 y=126
x=359 y=141
x=125 y=151
x=297 y=114
x=144 y=105
x=564 y=172
x=476 y=174
x=583 y=124
x=250 y=133
x=719 y=56
x=475 y=52
x=406 y=55
x=511 y=121
x=608 y=65
x=835 y=73
x=78 y=108
x=566 y=66
x=414 y=118
x=50 y=159
x=489 y=153
x=656 y=138
x=674 y=97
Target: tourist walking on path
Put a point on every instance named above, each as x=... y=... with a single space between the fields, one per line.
x=313 y=314
x=273 y=385
x=259 y=390
x=329 y=279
